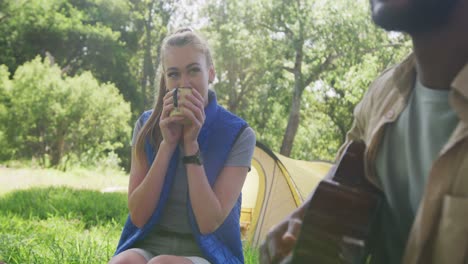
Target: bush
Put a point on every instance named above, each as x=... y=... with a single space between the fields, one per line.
x=64 y=120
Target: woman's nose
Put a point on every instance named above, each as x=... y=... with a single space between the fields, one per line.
x=185 y=80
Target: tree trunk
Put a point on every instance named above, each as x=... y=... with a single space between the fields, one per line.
x=293 y=124
x=147 y=79
x=294 y=113
x=232 y=102
x=165 y=16
x=57 y=149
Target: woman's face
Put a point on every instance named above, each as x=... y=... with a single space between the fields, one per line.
x=186 y=66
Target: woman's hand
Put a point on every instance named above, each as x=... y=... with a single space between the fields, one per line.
x=194 y=112
x=171 y=127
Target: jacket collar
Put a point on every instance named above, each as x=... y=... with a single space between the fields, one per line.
x=404 y=77
x=460 y=83
x=210 y=109
x=459 y=98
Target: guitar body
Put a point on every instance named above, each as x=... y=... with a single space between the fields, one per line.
x=338 y=222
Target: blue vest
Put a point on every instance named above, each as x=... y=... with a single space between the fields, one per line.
x=216 y=138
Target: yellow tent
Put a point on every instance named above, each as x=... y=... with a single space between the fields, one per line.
x=274 y=187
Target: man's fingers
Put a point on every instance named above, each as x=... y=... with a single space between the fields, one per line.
x=270 y=246
x=289 y=238
x=294 y=228
x=280 y=241
x=287 y=260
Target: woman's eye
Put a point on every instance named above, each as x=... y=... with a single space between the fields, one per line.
x=194 y=70
x=172 y=75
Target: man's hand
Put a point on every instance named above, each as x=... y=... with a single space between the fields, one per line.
x=280 y=241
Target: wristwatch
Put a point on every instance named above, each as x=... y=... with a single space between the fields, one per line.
x=193 y=159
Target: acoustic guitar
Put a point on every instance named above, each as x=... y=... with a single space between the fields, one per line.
x=338 y=221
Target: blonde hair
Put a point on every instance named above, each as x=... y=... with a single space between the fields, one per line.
x=180 y=38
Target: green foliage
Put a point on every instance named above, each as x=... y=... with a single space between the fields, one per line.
x=54 y=116
x=80 y=35
x=278 y=60
x=315 y=139
x=293 y=70
x=249 y=80
x=5 y=102
x=90 y=208
x=240 y=56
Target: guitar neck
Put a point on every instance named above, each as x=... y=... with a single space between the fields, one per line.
x=350 y=170
x=338 y=220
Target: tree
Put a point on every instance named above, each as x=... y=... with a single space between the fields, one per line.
x=316 y=39
x=152 y=19
x=238 y=54
x=248 y=77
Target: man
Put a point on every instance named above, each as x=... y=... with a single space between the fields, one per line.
x=414 y=120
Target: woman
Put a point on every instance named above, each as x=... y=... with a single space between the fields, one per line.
x=187 y=170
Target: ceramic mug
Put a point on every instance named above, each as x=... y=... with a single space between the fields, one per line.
x=179 y=95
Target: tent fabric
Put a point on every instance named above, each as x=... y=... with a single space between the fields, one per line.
x=274 y=187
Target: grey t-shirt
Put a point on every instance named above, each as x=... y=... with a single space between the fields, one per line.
x=405 y=156
x=175 y=216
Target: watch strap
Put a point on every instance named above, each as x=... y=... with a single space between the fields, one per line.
x=193 y=159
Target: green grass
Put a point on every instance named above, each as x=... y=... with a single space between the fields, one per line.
x=55 y=240
x=63 y=224
x=60 y=225
x=250 y=255
x=91 y=208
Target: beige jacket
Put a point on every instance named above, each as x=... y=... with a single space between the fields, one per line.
x=440 y=231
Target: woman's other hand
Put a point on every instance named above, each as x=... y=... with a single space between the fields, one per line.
x=194 y=112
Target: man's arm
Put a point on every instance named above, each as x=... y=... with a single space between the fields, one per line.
x=281 y=239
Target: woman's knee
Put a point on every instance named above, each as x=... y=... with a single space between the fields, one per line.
x=128 y=257
x=169 y=259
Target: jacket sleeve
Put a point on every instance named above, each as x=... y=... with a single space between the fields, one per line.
x=360 y=121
